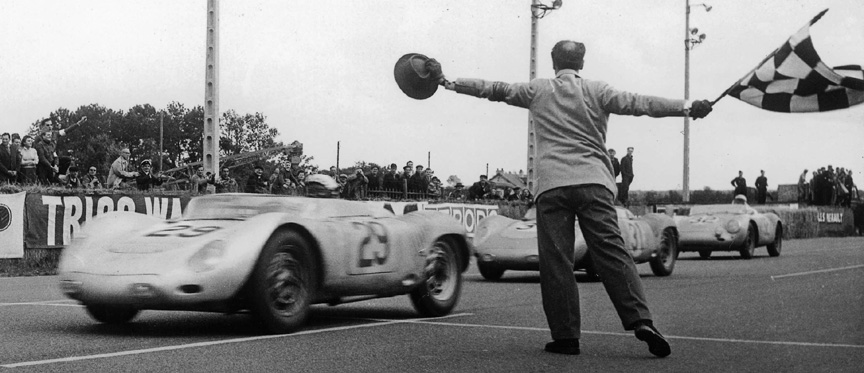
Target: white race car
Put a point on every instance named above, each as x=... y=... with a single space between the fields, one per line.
x=271 y=255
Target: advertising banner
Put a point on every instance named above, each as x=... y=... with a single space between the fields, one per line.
x=468 y=215
x=53 y=220
x=12 y=225
x=835 y=221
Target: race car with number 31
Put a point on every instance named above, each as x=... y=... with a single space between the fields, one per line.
x=271 y=255
x=501 y=243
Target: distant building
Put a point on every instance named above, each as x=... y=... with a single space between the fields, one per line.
x=503 y=180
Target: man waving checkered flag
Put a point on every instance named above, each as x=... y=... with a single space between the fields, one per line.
x=793 y=79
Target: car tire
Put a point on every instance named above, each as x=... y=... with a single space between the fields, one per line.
x=775 y=247
x=283 y=283
x=111 y=314
x=664 y=262
x=439 y=291
x=749 y=245
x=705 y=254
x=490 y=272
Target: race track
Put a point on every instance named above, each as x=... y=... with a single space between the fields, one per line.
x=800 y=312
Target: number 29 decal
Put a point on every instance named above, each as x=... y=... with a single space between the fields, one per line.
x=183 y=231
x=374 y=248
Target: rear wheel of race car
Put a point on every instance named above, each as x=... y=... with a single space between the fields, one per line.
x=664 y=262
x=775 y=247
x=749 y=245
x=283 y=283
x=111 y=314
x=490 y=272
x=442 y=282
x=705 y=254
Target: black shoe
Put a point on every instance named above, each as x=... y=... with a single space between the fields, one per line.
x=657 y=344
x=563 y=346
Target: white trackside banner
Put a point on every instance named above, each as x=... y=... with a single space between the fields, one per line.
x=12 y=225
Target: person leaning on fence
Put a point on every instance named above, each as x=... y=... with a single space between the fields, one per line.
x=226 y=183
x=146 y=179
x=92 y=180
x=118 y=173
x=29 y=160
x=390 y=181
x=375 y=183
x=257 y=183
x=574 y=179
x=481 y=189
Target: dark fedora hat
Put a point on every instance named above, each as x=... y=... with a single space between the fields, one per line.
x=413 y=78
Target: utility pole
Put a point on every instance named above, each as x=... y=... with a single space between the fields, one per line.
x=161 y=137
x=689 y=43
x=538 y=10
x=337 y=155
x=211 y=91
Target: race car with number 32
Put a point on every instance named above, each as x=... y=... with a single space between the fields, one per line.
x=501 y=243
x=273 y=256
x=730 y=227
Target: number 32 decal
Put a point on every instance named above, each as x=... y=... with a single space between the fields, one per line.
x=374 y=248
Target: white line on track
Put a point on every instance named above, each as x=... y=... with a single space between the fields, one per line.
x=61 y=302
x=817 y=271
x=785 y=343
x=214 y=343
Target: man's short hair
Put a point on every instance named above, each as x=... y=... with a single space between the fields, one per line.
x=484 y=177
x=6 y=134
x=73 y=169
x=629 y=148
x=568 y=54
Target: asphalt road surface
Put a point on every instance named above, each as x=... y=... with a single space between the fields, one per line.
x=800 y=312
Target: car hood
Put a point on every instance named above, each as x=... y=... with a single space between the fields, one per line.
x=154 y=250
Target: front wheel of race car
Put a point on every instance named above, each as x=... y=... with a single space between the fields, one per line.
x=749 y=245
x=490 y=272
x=111 y=314
x=438 y=293
x=664 y=262
x=283 y=283
x=775 y=247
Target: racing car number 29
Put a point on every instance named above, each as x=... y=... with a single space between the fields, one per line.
x=373 y=251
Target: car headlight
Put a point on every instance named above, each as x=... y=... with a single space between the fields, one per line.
x=208 y=256
x=733 y=226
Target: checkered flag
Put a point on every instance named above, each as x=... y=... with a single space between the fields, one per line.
x=793 y=79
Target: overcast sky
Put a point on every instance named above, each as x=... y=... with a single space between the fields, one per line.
x=322 y=72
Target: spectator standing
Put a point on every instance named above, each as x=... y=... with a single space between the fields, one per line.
x=740 y=184
x=761 y=188
x=226 y=183
x=277 y=181
x=118 y=172
x=626 y=177
x=257 y=183
x=29 y=161
x=481 y=189
x=803 y=188
x=616 y=166
x=92 y=180
x=418 y=181
x=574 y=177
x=10 y=160
x=47 y=168
x=374 y=184
x=145 y=179
x=198 y=182
x=390 y=181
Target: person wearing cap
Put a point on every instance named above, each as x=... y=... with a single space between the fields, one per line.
x=119 y=169
x=145 y=179
x=72 y=180
x=574 y=179
x=458 y=192
x=390 y=180
x=481 y=189
x=418 y=182
x=257 y=183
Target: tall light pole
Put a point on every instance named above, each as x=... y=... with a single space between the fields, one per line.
x=538 y=10
x=690 y=42
x=211 y=91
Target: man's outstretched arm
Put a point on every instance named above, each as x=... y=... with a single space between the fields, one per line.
x=516 y=94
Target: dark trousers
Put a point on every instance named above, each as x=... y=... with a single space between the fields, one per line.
x=557 y=210
x=624 y=189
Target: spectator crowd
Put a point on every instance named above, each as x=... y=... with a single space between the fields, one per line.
x=827 y=187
